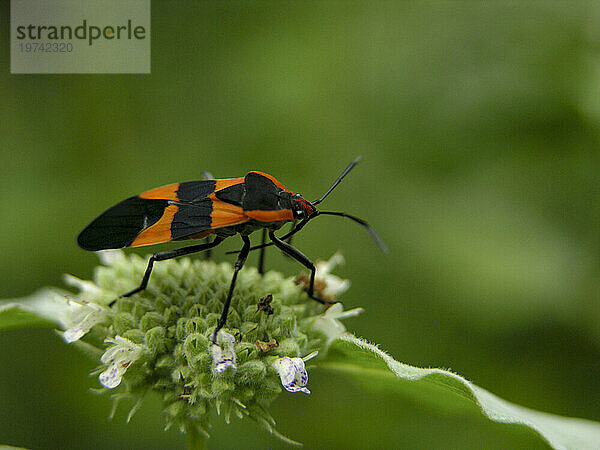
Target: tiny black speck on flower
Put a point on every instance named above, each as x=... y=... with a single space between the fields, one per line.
x=264 y=304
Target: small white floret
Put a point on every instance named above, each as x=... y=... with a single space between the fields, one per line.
x=329 y=323
x=223 y=354
x=292 y=372
x=80 y=317
x=119 y=357
x=86 y=288
x=334 y=285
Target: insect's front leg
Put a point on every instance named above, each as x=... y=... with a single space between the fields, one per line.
x=299 y=256
x=263 y=245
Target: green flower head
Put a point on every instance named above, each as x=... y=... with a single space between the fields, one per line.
x=159 y=340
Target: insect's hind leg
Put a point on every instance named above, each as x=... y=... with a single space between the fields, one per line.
x=162 y=256
x=298 y=256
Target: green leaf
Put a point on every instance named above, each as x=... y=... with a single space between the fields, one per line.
x=88 y=349
x=14 y=315
x=450 y=393
x=34 y=311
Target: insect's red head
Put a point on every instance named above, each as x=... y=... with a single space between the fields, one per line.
x=301 y=208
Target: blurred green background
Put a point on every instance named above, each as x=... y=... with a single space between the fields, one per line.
x=480 y=128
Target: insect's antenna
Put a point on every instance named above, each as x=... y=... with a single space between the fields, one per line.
x=371 y=231
x=344 y=173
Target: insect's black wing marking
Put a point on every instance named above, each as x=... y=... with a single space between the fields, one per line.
x=232 y=194
x=191 y=218
x=185 y=210
x=261 y=194
x=120 y=225
x=195 y=191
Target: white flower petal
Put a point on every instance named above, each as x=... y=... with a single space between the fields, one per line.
x=223 y=359
x=329 y=323
x=80 y=318
x=86 y=288
x=110 y=257
x=48 y=303
x=118 y=357
x=327 y=266
x=112 y=376
x=76 y=317
x=73 y=334
x=292 y=373
x=334 y=285
x=310 y=356
x=337 y=312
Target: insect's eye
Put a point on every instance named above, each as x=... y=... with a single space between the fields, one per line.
x=297 y=196
x=299 y=213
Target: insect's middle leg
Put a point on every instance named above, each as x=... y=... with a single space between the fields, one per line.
x=298 y=256
x=289 y=238
x=261 y=256
x=161 y=256
x=208 y=252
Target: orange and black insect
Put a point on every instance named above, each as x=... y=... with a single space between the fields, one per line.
x=198 y=209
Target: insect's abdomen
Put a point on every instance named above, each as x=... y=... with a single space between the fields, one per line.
x=118 y=226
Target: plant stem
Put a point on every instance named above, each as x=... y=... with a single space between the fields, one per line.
x=196 y=440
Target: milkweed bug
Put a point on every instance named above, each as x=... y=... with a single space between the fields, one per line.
x=197 y=209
